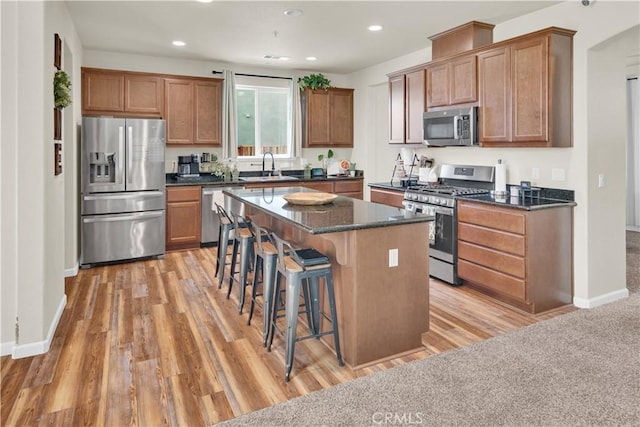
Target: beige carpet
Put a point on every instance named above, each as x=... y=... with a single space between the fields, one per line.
x=582 y=368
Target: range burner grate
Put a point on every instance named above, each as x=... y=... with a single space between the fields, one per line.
x=446 y=189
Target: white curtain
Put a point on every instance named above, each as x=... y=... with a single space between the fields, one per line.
x=296 y=121
x=633 y=154
x=229 y=141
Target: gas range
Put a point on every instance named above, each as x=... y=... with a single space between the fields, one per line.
x=439 y=199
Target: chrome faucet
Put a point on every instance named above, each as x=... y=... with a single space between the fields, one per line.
x=273 y=163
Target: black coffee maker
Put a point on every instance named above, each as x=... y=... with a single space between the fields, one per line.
x=188 y=165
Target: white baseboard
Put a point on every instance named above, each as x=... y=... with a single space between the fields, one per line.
x=600 y=300
x=40 y=347
x=73 y=271
x=633 y=228
x=6 y=348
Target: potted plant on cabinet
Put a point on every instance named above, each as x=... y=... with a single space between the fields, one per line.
x=314 y=82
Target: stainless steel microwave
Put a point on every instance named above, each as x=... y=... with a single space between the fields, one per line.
x=451 y=127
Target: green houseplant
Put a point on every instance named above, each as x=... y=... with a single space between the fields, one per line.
x=314 y=81
x=61 y=90
x=325 y=161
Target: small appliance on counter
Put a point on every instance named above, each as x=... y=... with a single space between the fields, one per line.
x=400 y=175
x=188 y=166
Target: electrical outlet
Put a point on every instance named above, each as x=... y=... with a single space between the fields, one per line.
x=393 y=257
x=557 y=174
x=535 y=173
x=601 y=180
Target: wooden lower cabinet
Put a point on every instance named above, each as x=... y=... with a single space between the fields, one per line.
x=183 y=217
x=387 y=197
x=522 y=258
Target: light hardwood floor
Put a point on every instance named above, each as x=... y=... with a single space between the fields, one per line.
x=157 y=343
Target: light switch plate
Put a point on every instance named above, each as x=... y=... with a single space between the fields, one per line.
x=535 y=173
x=393 y=257
x=557 y=174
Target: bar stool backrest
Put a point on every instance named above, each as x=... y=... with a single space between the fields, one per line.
x=285 y=249
x=262 y=235
x=240 y=221
x=222 y=213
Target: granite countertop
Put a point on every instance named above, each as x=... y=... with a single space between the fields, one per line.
x=388 y=186
x=546 y=198
x=343 y=214
x=211 y=180
x=518 y=202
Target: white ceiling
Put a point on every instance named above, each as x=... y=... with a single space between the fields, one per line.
x=243 y=32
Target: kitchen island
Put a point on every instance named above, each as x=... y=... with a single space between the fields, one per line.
x=380 y=266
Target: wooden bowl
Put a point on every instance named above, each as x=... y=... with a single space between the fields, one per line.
x=309 y=198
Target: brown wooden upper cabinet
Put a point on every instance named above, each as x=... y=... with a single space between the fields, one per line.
x=407 y=104
x=121 y=93
x=525 y=91
x=193 y=108
x=452 y=82
x=327 y=117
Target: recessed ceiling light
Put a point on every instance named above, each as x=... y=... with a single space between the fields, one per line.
x=178 y=43
x=375 y=27
x=311 y=58
x=293 y=12
x=205 y=1
x=284 y=58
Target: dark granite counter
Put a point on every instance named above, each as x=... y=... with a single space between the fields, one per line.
x=388 y=186
x=207 y=179
x=343 y=214
x=542 y=198
x=517 y=202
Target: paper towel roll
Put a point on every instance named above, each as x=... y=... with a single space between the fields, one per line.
x=501 y=177
x=423 y=174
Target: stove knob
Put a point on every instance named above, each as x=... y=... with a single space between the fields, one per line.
x=436 y=200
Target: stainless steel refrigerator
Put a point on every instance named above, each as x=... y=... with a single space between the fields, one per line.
x=122 y=189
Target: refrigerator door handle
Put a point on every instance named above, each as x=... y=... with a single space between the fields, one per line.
x=120 y=166
x=111 y=218
x=129 y=153
x=125 y=196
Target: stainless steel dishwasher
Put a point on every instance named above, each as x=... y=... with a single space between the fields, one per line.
x=210 y=223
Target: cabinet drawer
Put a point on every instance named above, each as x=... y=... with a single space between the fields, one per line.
x=492 y=280
x=347 y=187
x=505 y=263
x=492 y=217
x=183 y=194
x=325 y=186
x=391 y=198
x=500 y=240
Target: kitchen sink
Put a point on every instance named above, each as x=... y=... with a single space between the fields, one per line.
x=267 y=178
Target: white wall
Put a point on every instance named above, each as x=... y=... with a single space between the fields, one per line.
x=595 y=281
x=33 y=226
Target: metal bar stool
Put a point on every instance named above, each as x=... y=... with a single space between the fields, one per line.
x=296 y=266
x=224 y=235
x=242 y=245
x=264 y=265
